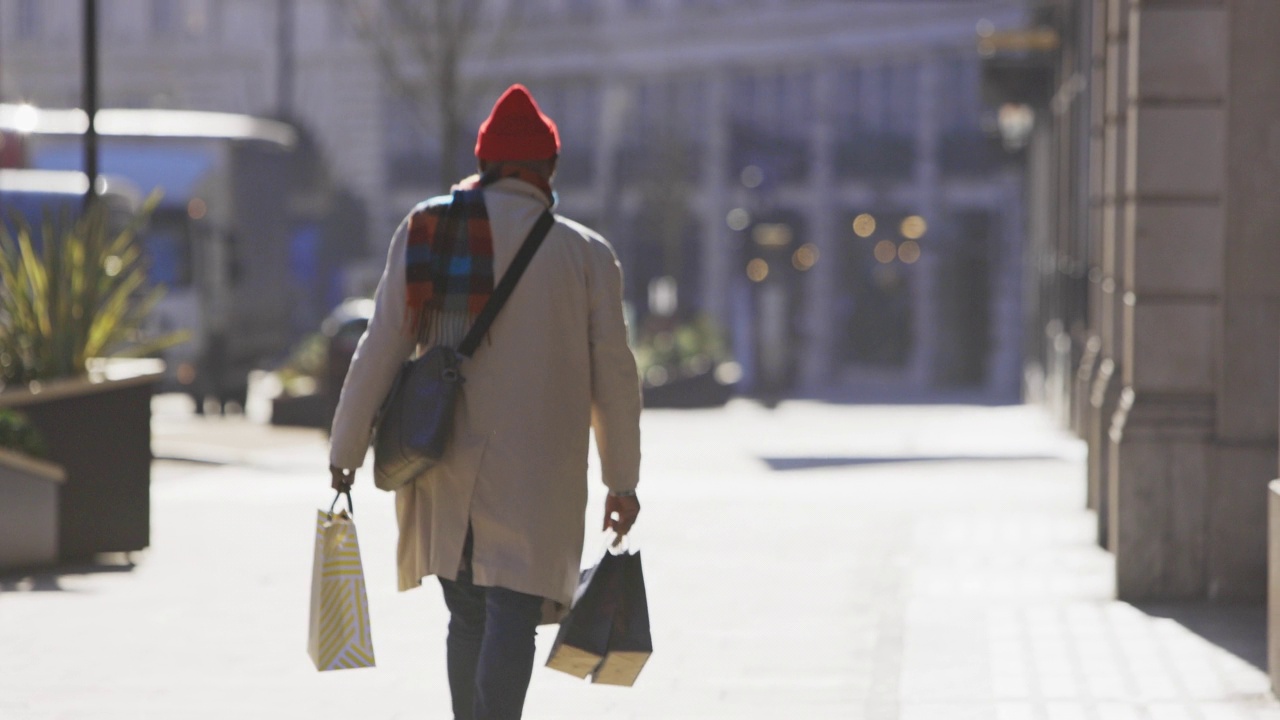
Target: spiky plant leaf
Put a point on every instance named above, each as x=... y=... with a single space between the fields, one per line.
x=85 y=294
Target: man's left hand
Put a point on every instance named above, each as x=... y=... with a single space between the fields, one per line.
x=620 y=512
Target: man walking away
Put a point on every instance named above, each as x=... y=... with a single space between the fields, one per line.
x=500 y=519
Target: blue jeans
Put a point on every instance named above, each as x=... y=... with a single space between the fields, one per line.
x=490 y=646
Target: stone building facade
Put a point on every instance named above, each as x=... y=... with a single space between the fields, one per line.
x=1158 y=323
x=727 y=149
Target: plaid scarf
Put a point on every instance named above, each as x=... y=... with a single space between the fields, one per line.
x=449 y=258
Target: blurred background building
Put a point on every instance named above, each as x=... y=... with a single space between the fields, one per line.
x=821 y=182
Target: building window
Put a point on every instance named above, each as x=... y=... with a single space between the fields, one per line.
x=337 y=18
x=348 y=19
x=678 y=106
x=164 y=17
x=904 y=98
x=197 y=18
x=575 y=107
x=959 y=94
x=772 y=116
x=412 y=153
x=542 y=12
x=844 y=101
x=775 y=103
x=703 y=4
x=675 y=107
x=964 y=149
x=875 y=110
x=214 y=17
x=581 y=9
x=28 y=20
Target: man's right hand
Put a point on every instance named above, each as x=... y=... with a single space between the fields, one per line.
x=620 y=512
x=342 y=479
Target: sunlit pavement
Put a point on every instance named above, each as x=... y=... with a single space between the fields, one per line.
x=816 y=561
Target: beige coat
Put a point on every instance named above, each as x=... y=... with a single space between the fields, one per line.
x=556 y=364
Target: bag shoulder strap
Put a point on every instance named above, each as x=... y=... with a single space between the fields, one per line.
x=509 y=279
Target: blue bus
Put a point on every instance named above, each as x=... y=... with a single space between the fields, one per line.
x=33 y=196
x=237 y=238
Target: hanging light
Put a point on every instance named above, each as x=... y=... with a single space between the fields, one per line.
x=913 y=227
x=805 y=257
x=909 y=252
x=864 y=225
x=885 y=251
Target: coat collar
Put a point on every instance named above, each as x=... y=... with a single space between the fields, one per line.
x=520 y=187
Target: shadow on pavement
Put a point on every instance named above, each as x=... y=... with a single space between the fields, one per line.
x=812 y=463
x=1239 y=629
x=50 y=579
x=875 y=395
x=175 y=458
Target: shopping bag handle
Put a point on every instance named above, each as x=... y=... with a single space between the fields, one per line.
x=613 y=543
x=350 y=508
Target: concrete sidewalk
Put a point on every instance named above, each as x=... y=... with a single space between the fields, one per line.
x=915 y=563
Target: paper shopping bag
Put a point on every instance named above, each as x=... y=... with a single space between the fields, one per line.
x=583 y=639
x=340 y=637
x=630 y=643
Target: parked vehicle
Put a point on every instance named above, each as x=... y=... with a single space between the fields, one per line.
x=32 y=196
x=237 y=238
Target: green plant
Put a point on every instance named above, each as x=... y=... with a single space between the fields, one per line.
x=16 y=433
x=304 y=369
x=666 y=350
x=84 y=294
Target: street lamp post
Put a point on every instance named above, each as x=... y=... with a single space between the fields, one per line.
x=285 y=51
x=90 y=96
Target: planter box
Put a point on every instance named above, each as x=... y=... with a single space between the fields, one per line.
x=28 y=511
x=697 y=391
x=310 y=411
x=99 y=430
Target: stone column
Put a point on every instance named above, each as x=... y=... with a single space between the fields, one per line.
x=925 y=331
x=1248 y=317
x=616 y=104
x=717 y=248
x=1096 y=94
x=1004 y=374
x=1175 y=185
x=1199 y=443
x=612 y=10
x=1105 y=389
x=1064 y=329
x=1038 y=265
x=822 y=280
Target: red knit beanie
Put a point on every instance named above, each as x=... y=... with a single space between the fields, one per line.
x=517 y=130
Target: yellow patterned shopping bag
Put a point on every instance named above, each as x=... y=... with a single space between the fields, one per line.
x=340 y=636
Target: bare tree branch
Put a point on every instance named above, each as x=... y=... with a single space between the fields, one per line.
x=419 y=46
x=392 y=69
